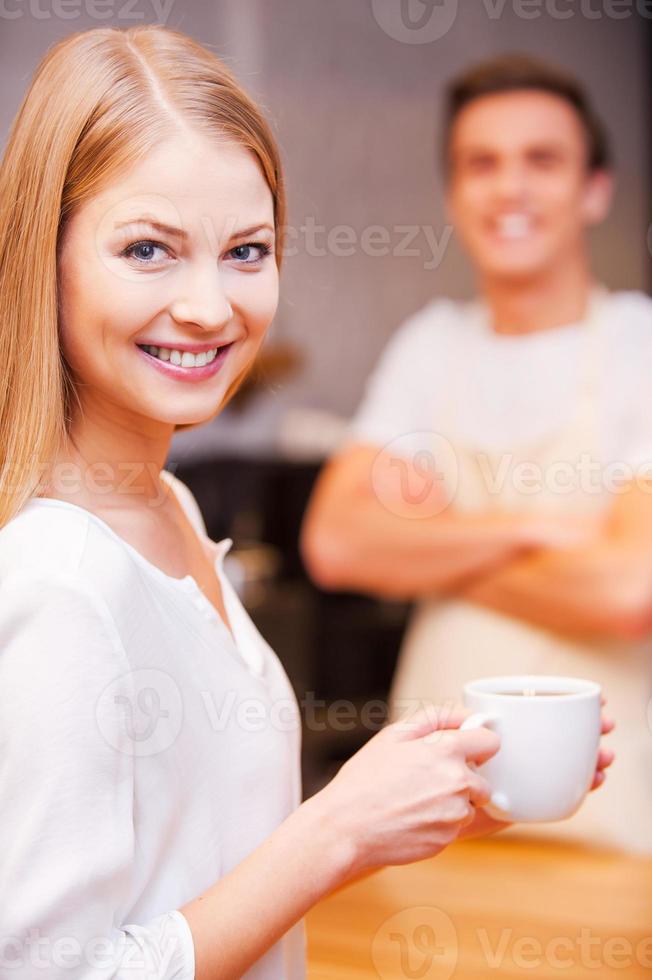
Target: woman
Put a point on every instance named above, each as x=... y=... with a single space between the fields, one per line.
x=150 y=802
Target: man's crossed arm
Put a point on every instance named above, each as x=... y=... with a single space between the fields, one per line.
x=570 y=574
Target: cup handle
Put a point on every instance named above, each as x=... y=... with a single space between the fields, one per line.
x=478 y=720
x=484 y=720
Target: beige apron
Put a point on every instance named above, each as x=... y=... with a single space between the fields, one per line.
x=450 y=642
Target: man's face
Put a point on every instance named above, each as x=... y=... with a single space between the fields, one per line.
x=520 y=192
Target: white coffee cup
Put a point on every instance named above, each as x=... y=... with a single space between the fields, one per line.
x=550 y=738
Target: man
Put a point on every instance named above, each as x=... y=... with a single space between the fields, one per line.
x=499 y=469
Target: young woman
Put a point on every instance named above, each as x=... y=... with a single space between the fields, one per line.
x=150 y=803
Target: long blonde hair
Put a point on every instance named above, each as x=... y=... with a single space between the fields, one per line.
x=98 y=101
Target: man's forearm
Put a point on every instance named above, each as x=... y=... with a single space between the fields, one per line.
x=603 y=590
x=367 y=548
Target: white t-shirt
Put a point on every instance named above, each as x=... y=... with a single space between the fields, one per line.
x=143 y=752
x=515 y=389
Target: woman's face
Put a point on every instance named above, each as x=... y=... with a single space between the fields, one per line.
x=168 y=283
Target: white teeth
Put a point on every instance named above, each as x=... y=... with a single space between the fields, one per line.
x=514 y=225
x=182 y=358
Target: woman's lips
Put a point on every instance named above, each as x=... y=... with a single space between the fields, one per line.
x=187 y=373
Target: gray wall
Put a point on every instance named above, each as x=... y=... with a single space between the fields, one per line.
x=356 y=113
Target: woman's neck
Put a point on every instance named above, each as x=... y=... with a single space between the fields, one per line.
x=111 y=462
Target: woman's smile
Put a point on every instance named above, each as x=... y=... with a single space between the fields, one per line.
x=184 y=364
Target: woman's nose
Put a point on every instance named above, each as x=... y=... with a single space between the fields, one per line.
x=201 y=298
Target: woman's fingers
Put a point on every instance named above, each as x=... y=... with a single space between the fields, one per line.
x=482 y=824
x=429 y=719
x=598 y=779
x=605 y=758
x=479 y=794
x=479 y=790
x=608 y=724
x=478 y=744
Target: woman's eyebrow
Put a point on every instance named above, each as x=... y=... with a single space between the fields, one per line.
x=252 y=230
x=153 y=223
x=180 y=233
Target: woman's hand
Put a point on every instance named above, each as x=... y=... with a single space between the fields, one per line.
x=605 y=756
x=410 y=790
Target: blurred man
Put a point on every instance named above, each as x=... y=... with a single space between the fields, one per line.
x=499 y=469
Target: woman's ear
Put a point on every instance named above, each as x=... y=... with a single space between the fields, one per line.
x=598 y=196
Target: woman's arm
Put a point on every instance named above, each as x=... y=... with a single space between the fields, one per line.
x=391 y=803
x=242 y=915
x=67 y=820
x=399 y=799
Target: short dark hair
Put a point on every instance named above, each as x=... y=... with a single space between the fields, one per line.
x=514 y=72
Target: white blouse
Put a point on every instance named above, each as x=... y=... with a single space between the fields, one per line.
x=144 y=751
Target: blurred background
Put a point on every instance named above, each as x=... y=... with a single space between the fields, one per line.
x=356 y=109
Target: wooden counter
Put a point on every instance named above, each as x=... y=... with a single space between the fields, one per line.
x=490 y=908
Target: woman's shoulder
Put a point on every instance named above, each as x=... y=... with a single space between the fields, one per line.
x=48 y=594
x=45 y=535
x=51 y=541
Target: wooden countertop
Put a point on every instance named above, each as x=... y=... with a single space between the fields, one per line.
x=490 y=908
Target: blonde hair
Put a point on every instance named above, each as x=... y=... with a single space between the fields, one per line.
x=98 y=101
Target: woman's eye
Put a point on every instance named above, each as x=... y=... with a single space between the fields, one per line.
x=144 y=252
x=250 y=254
